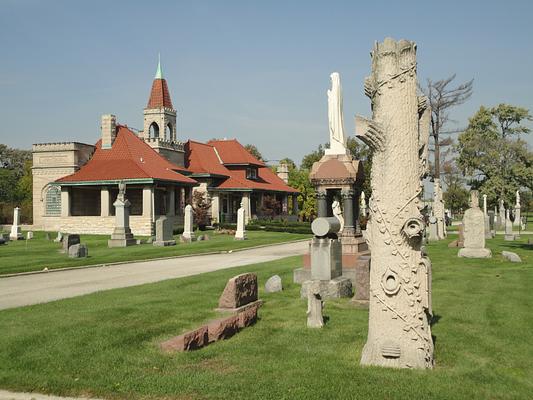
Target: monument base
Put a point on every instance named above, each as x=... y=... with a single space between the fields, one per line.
x=18 y=237
x=474 y=253
x=164 y=243
x=240 y=236
x=121 y=242
x=188 y=238
x=509 y=238
x=333 y=289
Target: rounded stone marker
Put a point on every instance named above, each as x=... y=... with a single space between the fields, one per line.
x=323 y=226
x=273 y=284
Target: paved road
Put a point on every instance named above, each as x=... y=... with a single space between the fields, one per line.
x=41 y=288
x=5 y=395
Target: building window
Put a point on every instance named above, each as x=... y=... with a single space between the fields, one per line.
x=251 y=173
x=53 y=201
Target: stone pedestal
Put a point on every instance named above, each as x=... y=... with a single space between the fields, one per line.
x=433 y=229
x=509 y=235
x=240 y=234
x=122 y=236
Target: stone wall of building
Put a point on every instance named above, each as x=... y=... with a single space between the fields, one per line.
x=52 y=161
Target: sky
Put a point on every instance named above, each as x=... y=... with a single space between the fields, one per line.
x=257 y=71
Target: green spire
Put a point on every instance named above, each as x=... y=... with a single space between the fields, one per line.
x=159 y=72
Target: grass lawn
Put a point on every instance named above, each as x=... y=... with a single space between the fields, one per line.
x=38 y=253
x=105 y=344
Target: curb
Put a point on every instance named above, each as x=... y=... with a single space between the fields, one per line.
x=111 y=264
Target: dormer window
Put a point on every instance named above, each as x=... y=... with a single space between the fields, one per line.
x=251 y=173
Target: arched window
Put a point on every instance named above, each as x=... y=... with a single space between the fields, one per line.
x=168 y=132
x=154 y=130
x=53 y=201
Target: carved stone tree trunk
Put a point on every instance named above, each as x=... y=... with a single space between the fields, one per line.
x=400 y=276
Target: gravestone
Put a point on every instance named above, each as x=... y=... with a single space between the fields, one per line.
x=59 y=238
x=438 y=209
x=241 y=228
x=240 y=291
x=47 y=236
x=326 y=260
x=78 y=251
x=517 y=217
x=188 y=232
x=510 y=256
x=314 y=306
x=122 y=236
x=273 y=284
x=474 y=231
x=399 y=333
x=433 y=229
x=509 y=235
x=488 y=233
x=2 y=240
x=502 y=215
x=69 y=240
x=163 y=232
x=16 y=233
x=29 y=235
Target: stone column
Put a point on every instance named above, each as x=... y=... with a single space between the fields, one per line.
x=321 y=203
x=16 y=233
x=399 y=333
x=147 y=202
x=104 y=201
x=488 y=233
x=348 y=205
x=215 y=207
x=65 y=201
x=171 y=201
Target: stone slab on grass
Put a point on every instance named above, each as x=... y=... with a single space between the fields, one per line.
x=510 y=256
x=273 y=284
x=187 y=341
x=223 y=328
x=239 y=291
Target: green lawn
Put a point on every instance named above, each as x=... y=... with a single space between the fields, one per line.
x=38 y=253
x=105 y=344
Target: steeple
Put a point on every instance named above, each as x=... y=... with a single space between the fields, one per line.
x=159 y=114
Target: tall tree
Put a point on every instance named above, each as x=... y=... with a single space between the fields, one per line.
x=442 y=97
x=492 y=153
x=252 y=149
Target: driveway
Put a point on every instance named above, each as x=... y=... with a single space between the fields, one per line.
x=25 y=290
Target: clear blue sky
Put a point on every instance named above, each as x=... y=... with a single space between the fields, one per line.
x=254 y=70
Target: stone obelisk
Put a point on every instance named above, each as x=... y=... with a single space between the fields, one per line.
x=399 y=333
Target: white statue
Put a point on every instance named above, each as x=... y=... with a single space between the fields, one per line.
x=337 y=213
x=337 y=139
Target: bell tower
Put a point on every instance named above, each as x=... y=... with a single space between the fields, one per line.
x=160 y=121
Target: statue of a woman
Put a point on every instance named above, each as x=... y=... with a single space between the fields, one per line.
x=337 y=213
x=337 y=140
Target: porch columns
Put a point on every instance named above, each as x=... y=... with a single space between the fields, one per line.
x=65 y=201
x=246 y=204
x=285 y=204
x=147 y=201
x=295 y=210
x=215 y=208
x=104 y=201
x=171 y=198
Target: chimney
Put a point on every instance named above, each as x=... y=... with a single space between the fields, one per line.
x=283 y=172
x=109 y=130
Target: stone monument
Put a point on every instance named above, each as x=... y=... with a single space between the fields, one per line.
x=488 y=232
x=314 y=306
x=502 y=215
x=338 y=178
x=474 y=230
x=509 y=235
x=16 y=233
x=240 y=234
x=122 y=236
x=188 y=233
x=433 y=229
x=163 y=232
x=337 y=213
x=517 y=217
x=438 y=209
x=399 y=333
x=326 y=261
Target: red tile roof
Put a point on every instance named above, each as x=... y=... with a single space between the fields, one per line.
x=203 y=159
x=129 y=158
x=232 y=152
x=159 y=96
